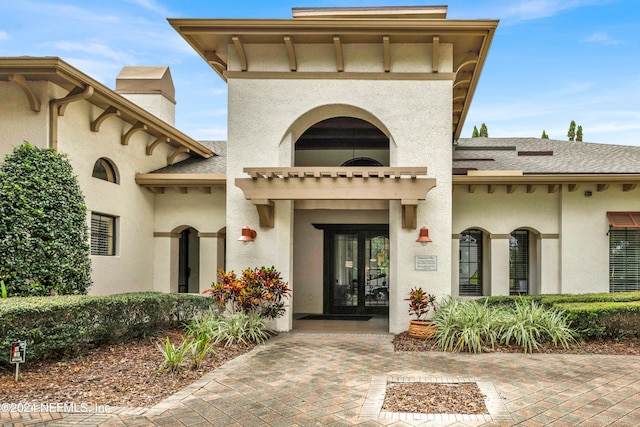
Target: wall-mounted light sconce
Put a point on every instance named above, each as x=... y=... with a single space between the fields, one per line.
x=424 y=236
x=248 y=235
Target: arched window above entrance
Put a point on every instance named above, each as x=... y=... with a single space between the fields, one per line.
x=342 y=141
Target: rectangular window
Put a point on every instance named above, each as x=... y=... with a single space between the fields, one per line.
x=519 y=263
x=470 y=280
x=103 y=234
x=624 y=259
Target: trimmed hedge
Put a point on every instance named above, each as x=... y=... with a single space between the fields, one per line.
x=68 y=325
x=609 y=315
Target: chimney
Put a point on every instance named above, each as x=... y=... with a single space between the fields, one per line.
x=151 y=88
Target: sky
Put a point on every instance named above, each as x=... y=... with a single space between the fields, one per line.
x=551 y=61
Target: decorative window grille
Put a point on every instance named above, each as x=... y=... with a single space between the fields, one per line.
x=519 y=263
x=470 y=279
x=624 y=259
x=103 y=234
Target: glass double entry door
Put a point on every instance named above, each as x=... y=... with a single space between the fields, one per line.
x=357 y=269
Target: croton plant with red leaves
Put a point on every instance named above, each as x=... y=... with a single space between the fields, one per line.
x=258 y=290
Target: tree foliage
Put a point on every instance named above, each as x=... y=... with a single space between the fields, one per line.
x=43 y=228
x=572 y=130
x=484 y=132
x=579 y=134
x=475 y=133
x=544 y=135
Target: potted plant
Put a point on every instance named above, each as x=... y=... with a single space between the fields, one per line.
x=420 y=304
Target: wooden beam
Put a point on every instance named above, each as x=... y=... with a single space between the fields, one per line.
x=137 y=127
x=293 y=65
x=242 y=56
x=386 y=47
x=156 y=190
x=34 y=102
x=572 y=187
x=339 y=56
x=472 y=188
x=109 y=112
x=602 y=187
x=183 y=190
x=511 y=188
x=629 y=187
x=409 y=213
x=266 y=212
x=531 y=188
x=552 y=188
x=491 y=188
x=435 y=54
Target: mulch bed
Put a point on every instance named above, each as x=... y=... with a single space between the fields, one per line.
x=434 y=398
x=117 y=375
x=403 y=342
x=127 y=375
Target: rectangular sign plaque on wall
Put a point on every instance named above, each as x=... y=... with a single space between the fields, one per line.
x=427 y=262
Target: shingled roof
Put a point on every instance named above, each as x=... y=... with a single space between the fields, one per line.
x=213 y=165
x=544 y=156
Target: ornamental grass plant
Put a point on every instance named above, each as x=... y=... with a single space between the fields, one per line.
x=467 y=325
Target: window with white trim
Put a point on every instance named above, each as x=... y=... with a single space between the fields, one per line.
x=624 y=251
x=103 y=234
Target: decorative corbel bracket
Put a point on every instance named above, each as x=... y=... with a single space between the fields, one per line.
x=109 y=112
x=172 y=158
x=135 y=128
x=34 y=102
x=266 y=212
x=409 y=213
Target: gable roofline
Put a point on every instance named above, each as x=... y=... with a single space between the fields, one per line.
x=60 y=73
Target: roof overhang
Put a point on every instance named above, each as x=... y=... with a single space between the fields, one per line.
x=159 y=183
x=552 y=182
x=23 y=70
x=212 y=39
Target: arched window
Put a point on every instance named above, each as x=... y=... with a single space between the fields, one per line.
x=104 y=169
x=344 y=141
x=519 y=262
x=470 y=279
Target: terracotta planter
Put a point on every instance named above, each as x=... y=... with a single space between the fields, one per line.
x=421 y=329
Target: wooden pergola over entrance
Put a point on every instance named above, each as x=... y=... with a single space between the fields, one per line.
x=407 y=184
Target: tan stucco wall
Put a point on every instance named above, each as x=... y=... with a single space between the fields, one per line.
x=18 y=123
x=262 y=121
x=173 y=213
x=570 y=252
x=584 y=241
x=132 y=266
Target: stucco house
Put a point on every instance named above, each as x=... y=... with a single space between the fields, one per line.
x=344 y=168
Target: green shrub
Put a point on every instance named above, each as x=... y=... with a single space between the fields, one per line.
x=43 y=225
x=613 y=320
x=467 y=325
x=68 y=325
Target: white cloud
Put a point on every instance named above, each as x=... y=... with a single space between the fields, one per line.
x=513 y=11
x=602 y=38
x=92 y=48
x=4 y=36
x=153 y=6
